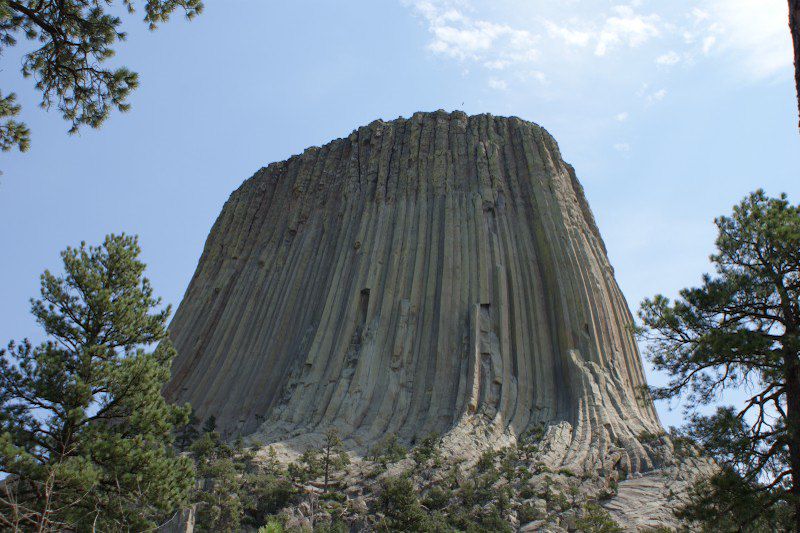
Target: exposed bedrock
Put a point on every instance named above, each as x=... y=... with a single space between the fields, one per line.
x=438 y=273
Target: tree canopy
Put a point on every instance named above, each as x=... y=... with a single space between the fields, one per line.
x=85 y=434
x=74 y=39
x=740 y=330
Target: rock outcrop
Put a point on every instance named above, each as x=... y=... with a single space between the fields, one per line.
x=441 y=273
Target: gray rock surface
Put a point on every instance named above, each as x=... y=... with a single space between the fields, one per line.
x=441 y=273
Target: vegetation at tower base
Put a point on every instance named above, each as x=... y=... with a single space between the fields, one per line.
x=85 y=434
x=249 y=488
x=74 y=38
x=740 y=330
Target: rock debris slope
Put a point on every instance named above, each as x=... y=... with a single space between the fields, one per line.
x=441 y=273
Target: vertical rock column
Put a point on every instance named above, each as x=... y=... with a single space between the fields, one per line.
x=438 y=273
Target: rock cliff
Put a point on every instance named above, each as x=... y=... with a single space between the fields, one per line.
x=441 y=273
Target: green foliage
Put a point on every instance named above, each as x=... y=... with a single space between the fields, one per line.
x=237 y=490
x=333 y=456
x=509 y=467
x=479 y=489
x=324 y=461
x=210 y=425
x=12 y=132
x=388 y=451
x=84 y=429
x=486 y=461
x=595 y=519
x=527 y=512
x=427 y=451
x=728 y=502
x=528 y=443
x=220 y=503
x=400 y=506
x=74 y=38
x=272 y=526
x=740 y=330
x=399 y=502
x=436 y=498
x=306 y=468
x=186 y=434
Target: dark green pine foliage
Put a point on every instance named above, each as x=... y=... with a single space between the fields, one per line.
x=187 y=434
x=12 y=132
x=85 y=435
x=333 y=456
x=400 y=505
x=237 y=491
x=740 y=330
x=74 y=39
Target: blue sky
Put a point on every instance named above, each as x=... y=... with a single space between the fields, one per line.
x=670 y=113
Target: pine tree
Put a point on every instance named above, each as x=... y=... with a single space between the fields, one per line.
x=210 y=425
x=740 y=330
x=334 y=457
x=187 y=434
x=85 y=435
x=75 y=38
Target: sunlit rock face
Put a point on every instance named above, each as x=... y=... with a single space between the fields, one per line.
x=441 y=273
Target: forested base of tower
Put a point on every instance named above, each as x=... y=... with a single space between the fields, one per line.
x=437 y=486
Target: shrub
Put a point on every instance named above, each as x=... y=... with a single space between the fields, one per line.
x=428 y=450
x=400 y=506
x=595 y=519
x=437 y=498
x=272 y=526
x=388 y=451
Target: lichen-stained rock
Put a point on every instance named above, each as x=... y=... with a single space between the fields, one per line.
x=441 y=273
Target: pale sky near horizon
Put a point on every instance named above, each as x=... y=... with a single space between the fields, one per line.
x=669 y=112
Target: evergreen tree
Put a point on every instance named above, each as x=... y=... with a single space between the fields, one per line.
x=75 y=38
x=237 y=489
x=220 y=502
x=187 y=434
x=210 y=425
x=333 y=456
x=740 y=330
x=85 y=435
x=388 y=451
x=399 y=503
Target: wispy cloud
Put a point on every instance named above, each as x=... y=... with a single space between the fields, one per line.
x=626 y=26
x=622 y=147
x=668 y=59
x=456 y=35
x=571 y=36
x=560 y=46
x=498 y=84
x=651 y=96
x=751 y=33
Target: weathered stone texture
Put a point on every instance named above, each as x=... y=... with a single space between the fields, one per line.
x=438 y=273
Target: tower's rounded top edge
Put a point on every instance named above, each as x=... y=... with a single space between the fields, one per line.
x=380 y=124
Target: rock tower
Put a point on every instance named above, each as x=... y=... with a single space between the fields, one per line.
x=441 y=273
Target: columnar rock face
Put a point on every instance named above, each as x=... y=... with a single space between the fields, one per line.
x=441 y=273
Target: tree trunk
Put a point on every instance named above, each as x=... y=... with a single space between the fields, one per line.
x=794 y=27
x=792 y=365
x=328 y=465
